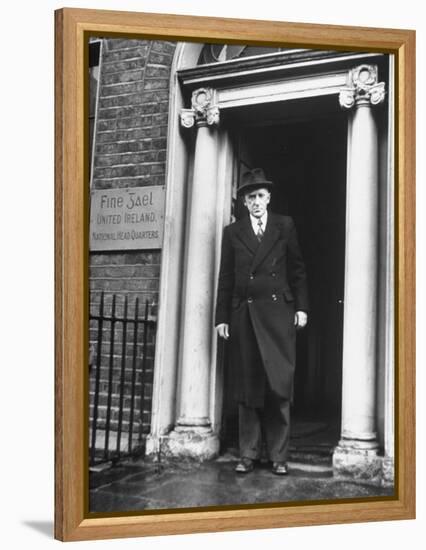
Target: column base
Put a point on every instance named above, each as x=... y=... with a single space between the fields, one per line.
x=358 y=460
x=152 y=446
x=388 y=471
x=195 y=442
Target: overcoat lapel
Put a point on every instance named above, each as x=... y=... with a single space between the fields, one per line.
x=247 y=236
x=270 y=237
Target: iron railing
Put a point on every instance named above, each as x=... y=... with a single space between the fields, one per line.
x=120 y=395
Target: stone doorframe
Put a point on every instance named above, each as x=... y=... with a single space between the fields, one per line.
x=187 y=399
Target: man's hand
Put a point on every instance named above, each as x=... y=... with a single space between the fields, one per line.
x=223 y=330
x=300 y=319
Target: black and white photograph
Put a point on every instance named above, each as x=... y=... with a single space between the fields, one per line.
x=212 y=234
x=241 y=346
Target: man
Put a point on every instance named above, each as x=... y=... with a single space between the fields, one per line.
x=262 y=299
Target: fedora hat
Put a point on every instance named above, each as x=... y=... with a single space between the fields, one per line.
x=254 y=179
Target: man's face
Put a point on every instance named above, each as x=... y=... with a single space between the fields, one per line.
x=257 y=201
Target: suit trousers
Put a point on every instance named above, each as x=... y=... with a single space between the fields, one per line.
x=270 y=423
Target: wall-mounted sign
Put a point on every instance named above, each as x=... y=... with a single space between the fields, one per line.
x=127 y=219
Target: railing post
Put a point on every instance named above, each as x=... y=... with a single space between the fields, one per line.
x=97 y=381
x=144 y=354
x=132 y=398
x=122 y=376
x=110 y=378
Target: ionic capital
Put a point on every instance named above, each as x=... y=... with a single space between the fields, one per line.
x=362 y=88
x=203 y=110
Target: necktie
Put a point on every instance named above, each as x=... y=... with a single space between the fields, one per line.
x=259 y=233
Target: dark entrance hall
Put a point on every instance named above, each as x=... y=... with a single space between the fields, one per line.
x=305 y=157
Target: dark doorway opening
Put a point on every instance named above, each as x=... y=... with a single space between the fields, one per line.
x=305 y=157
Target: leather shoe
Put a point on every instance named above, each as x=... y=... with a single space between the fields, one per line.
x=244 y=466
x=279 y=468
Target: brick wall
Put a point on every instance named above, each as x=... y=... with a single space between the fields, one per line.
x=130 y=151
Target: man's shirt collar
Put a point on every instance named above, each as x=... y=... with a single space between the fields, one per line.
x=255 y=222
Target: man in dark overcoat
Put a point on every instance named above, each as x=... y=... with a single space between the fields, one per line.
x=262 y=299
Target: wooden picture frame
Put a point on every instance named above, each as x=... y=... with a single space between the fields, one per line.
x=72 y=522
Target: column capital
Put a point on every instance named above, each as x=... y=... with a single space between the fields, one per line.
x=203 y=109
x=362 y=88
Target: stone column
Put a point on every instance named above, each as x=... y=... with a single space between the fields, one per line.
x=389 y=458
x=193 y=434
x=389 y=282
x=356 y=453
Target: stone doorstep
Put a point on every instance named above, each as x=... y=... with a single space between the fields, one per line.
x=322 y=470
x=300 y=468
x=310 y=459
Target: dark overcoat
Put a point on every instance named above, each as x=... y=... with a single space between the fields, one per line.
x=261 y=286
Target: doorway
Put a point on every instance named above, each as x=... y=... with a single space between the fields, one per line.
x=303 y=151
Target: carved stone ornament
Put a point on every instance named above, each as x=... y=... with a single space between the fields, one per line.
x=203 y=109
x=362 y=88
x=187 y=118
